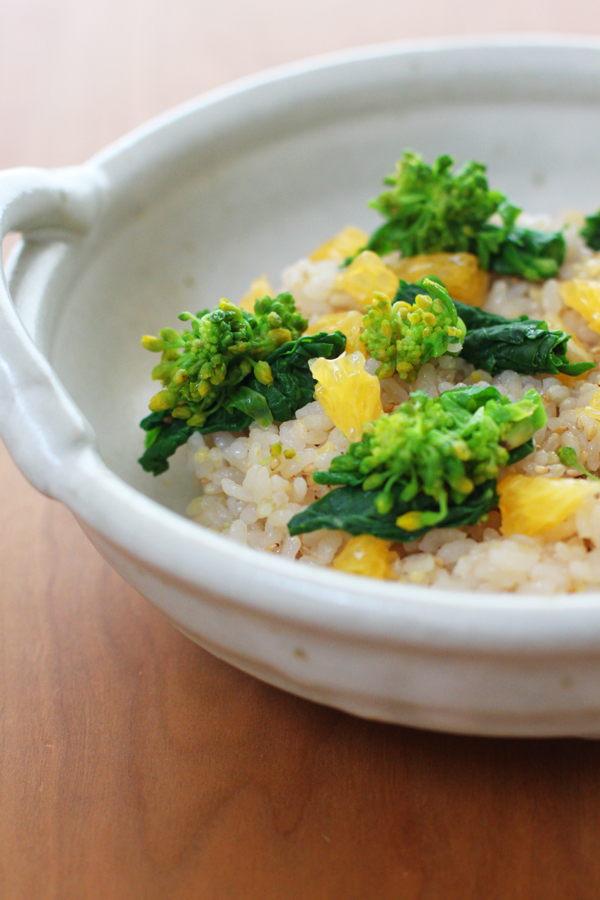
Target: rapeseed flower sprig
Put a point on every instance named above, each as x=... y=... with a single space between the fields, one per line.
x=430 y=209
x=432 y=462
x=404 y=336
x=200 y=366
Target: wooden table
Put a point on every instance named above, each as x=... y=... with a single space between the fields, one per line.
x=132 y=763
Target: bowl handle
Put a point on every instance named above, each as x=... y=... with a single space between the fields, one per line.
x=40 y=424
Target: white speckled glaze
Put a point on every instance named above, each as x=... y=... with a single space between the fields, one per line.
x=194 y=206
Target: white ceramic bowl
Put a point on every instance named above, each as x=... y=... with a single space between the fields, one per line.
x=191 y=208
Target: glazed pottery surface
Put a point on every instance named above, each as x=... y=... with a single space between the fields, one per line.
x=192 y=208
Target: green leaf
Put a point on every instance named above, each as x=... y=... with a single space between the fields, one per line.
x=591 y=231
x=530 y=254
x=296 y=354
x=575 y=369
x=521 y=346
x=151 y=436
x=168 y=436
x=385 y=239
x=251 y=403
x=474 y=317
x=354 y=511
x=488 y=241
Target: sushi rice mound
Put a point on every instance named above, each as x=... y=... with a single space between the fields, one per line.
x=253 y=483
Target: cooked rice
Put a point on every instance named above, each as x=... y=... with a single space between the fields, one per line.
x=250 y=495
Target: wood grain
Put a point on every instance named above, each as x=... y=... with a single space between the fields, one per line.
x=132 y=763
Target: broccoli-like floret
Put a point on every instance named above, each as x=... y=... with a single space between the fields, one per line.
x=431 y=210
x=276 y=321
x=591 y=231
x=200 y=367
x=441 y=447
x=404 y=336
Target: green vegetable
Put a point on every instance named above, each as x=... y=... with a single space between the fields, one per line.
x=433 y=462
x=591 y=231
x=353 y=510
x=472 y=316
x=201 y=369
x=475 y=318
x=524 y=347
x=530 y=254
x=568 y=457
x=494 y=344
x=163 y=436
x=292 y=387
x=403 y=337
x=408 y=291
x=431 y=210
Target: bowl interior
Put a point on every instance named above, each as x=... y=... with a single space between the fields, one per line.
x=202 y=206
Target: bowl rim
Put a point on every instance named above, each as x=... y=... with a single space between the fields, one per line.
x=322 y=61
x=391 y=612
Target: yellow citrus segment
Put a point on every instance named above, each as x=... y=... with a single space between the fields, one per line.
x=349 y=395
x=365 y=275
x=349 y=323
x=343 y=245
x=533 y=505
x=595 y=402
x=460 y=272
x=365 y=555
x=593 y=407
x=257 y=289
x=584 y=298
